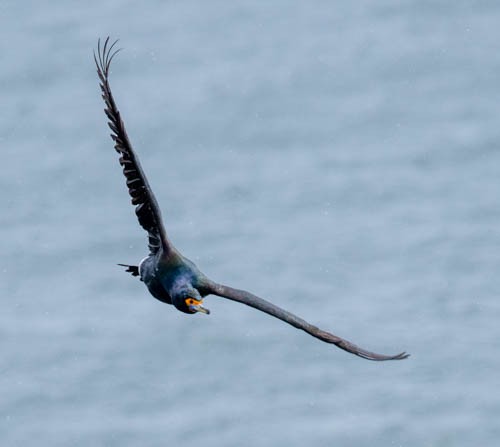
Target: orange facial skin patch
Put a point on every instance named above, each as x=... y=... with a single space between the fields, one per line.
x=193 y=302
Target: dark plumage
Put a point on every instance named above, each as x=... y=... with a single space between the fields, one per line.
x=169 y=276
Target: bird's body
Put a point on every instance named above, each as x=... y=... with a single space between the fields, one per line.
x=169 y=276
x=164 y=277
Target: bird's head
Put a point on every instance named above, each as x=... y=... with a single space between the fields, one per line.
x=189 y=301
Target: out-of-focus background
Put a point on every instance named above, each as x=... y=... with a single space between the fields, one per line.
x=340 y=159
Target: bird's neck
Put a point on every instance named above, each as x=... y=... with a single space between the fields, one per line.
x=180 y=284
x=176 y=280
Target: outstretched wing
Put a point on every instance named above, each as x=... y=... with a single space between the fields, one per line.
x=147 y=210
x=254 y=301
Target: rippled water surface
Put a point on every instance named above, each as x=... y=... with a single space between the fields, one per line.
x=340 y=159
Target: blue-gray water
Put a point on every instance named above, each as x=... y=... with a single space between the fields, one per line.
x=338 y=158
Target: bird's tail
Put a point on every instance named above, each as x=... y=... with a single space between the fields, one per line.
x=132 y=269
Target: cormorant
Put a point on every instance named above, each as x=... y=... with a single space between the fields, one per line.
x=168 y=275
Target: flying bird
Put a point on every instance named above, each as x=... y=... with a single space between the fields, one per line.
x=169 y=276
